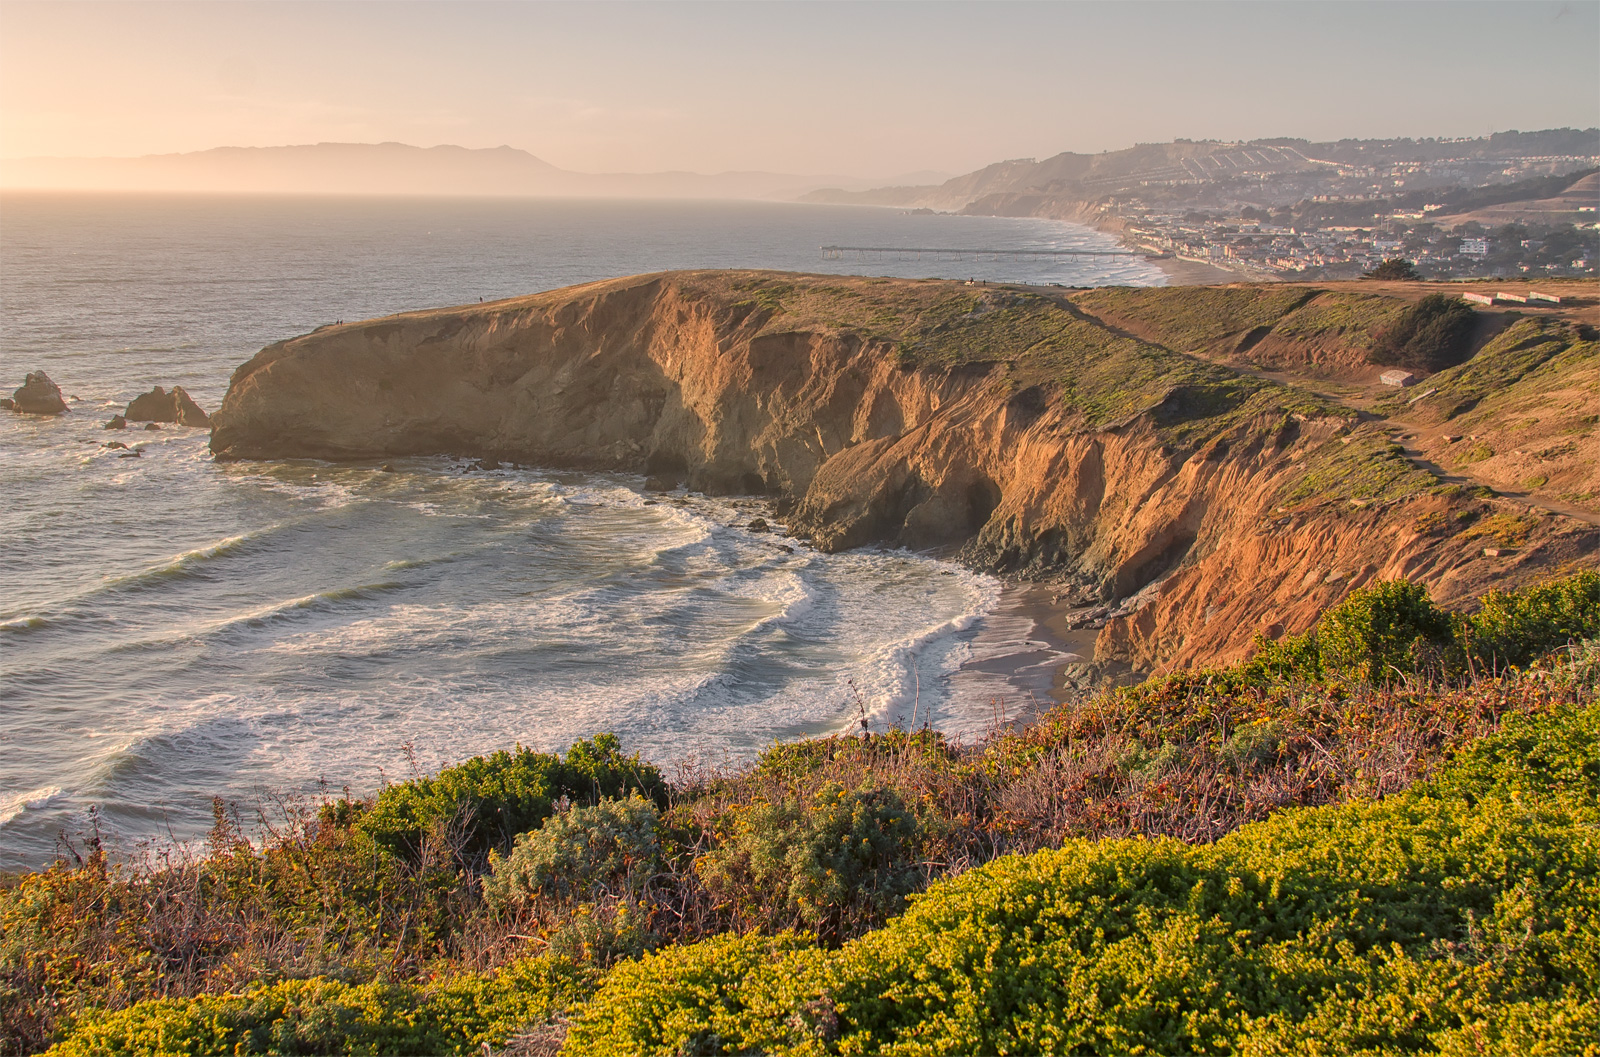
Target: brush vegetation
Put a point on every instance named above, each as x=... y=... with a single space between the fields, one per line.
x=1169 y=360
x=1028 y=339
x=1431 y=335
x=1516 y=369
x=1375 y=837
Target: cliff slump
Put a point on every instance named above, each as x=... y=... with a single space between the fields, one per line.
x=1006 y=423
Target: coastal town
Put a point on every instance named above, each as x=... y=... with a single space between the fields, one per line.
x=1261 y=245
x=1510 y=205
x=1281 y=213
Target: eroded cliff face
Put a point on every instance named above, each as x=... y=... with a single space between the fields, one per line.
x=842 y=400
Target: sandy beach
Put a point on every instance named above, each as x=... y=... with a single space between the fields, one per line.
x=1019 y=651
x=1193 y=273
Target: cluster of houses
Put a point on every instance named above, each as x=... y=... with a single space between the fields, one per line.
x=1265 y=250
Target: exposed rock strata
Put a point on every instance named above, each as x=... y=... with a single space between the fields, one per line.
x=796 y=388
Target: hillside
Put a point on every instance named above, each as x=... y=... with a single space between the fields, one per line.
x=1110 y=442
x=1209 y=173
x=1575 y=205
x=1373 y=833
x=1085 y=175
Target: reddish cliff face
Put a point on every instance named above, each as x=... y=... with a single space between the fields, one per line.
x=1207 y=505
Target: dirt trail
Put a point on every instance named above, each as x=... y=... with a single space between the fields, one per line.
x=1407 y=434
x=1414 y=453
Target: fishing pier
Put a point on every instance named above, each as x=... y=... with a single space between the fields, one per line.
x=957 y=253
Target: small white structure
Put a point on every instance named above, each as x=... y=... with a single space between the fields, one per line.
x=1534 y=295
x=1478 y=299
x=1475 y=247
x=1513 y=298
x=1399 y=379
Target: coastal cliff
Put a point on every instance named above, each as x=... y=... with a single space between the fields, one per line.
x=1200 y=502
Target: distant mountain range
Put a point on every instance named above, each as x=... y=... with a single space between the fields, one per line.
x=1193 y=169
x=393 y=169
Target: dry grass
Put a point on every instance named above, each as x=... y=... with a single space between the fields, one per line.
x=1190 y=757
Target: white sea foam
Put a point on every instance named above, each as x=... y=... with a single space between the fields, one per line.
x=12 y=807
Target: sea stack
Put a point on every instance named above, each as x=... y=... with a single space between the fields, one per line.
x=159 y=405
x=38 y=396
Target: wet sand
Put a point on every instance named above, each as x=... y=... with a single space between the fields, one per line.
x=1193 y=273
x=1018 y=651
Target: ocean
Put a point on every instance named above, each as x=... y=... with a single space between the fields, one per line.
x=173 y=629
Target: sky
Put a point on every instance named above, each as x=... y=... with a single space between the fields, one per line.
x=864 y=89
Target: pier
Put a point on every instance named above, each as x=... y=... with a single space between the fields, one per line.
x=956 y=253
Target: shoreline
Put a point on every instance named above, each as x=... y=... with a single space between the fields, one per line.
x=1179 y=272
x=1193 y=273
x=1021 y=649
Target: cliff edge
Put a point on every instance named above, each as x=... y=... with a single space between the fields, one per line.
x=1202 y=502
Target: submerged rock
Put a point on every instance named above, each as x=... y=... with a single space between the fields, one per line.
x=759 y=525
x=117 y=422
x=151 y=425
x=159 y=405
x=38 y=396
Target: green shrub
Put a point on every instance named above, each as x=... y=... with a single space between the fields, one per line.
x=1255 y=744
x=1394 y=268
x=690 y=999
x=841 y=856
x=601 y=932
x=1389 y=629
x=298 y=1017
x=576 y=853
x=1431 y=335
x=324 y=1016
x=1383 y=629
x=1520 y=626
x=1393 y=629
x=1463 y=911
x=488 y=800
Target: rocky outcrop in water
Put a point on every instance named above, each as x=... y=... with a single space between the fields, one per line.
x=159 y=405
x=38 y=395
x=1202 y=504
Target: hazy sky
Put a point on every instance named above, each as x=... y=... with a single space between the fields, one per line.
x=866 y=89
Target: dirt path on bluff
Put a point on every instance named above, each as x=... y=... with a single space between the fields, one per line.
x=1415 y=453
x=1407 y=435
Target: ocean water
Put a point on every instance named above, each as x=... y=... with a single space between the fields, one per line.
x=173 y=629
